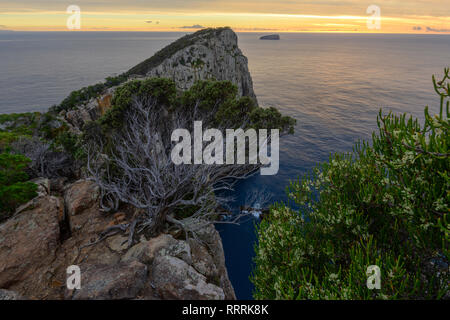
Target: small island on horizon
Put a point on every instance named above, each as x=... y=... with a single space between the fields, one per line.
x=270 y=37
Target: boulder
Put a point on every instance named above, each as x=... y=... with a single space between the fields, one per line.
x=43 y=186
x=202 y=261
x=162 y=245
x=28 y=243
x=212 y=241
x=58 y=184
x=175 y=279
x=79 y=197
x=110 y=282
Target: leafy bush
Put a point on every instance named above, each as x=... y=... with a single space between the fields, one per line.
x=217 y=98
x=385 y=205
x=14 y=190
x=162 y=89
x=15 y=126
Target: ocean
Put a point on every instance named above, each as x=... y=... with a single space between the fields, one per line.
x=333 y=84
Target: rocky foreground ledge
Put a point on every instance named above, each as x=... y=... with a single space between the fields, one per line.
x=52 y=232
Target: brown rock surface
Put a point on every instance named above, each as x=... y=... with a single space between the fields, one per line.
x=10 y=295
x=34 y=255
x=28 y=244
x=175 y=279
x=80 y=196
x=110 y=282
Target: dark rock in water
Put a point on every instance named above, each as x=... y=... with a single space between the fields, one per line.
x=270 y=37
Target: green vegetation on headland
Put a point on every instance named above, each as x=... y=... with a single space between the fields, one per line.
x=385 y=204
x=54 y=150
x=216 y=99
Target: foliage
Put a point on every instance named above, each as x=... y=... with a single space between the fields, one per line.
x=85 y=94
x=271 y=118
x=16 y=125
x=14 y=190
x=209 y=94
x=25 y=126
x=215 y=102
x=70 y=143
x=162 y=89
x=129 y=150
x=385 y=205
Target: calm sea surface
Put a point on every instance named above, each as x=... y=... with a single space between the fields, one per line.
x=333 y=84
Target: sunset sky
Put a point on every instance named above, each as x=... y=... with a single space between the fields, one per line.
x=398 y=16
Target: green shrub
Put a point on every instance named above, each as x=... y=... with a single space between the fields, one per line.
x=386 y=204
x=70 y=143
x=14 y=190
x=17 y=125
x=163 y=90
x=206 y=95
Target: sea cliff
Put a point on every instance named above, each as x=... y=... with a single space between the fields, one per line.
x=64 y=224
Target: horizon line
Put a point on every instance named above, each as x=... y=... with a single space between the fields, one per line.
x=235 y=30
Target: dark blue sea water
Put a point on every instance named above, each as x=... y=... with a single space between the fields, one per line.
x=333 y=84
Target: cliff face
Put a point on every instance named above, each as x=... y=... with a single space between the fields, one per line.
x=206 y=54
x=213 y=54
x=65 y=226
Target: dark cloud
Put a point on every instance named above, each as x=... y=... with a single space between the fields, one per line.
x=195 y=26
x=148 y=21
x=437 y=30
x=417 y=28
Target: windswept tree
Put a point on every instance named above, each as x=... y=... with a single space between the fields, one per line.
x=129 y=151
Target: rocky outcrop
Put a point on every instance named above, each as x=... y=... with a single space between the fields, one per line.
x=212 y=55
x=28 y=245
x=111 y=282
x=52 y=233
x=175 y=279
x=207 y=54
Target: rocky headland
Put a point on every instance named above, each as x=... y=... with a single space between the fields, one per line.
x=58 y=218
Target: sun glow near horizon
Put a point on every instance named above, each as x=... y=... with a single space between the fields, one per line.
x=291 y=16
